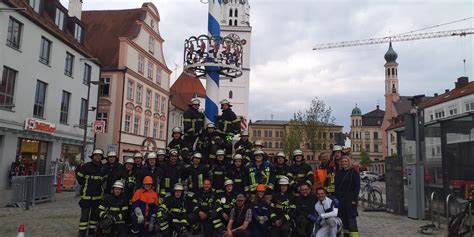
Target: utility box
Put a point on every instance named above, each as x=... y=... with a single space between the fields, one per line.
x=412 y=192
x=394 y=185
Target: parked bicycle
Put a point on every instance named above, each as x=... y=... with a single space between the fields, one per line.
x=370 y=196
x=460 y=224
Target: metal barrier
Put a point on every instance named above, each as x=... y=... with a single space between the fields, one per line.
x=29 y=190
x=470 y=220
x=438 y=213
x=448 y=206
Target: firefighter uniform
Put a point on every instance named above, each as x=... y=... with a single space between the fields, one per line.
x=114 y=172
x=180 y=145
x=227 y=200
x=261 y=211
x=208 y=144
x=281 y=170
x=91 y=176
x=196 y=176
x=209 y=203
x=144 y=208
x=172 y=214
x=300 y=173
x=239 y=176
x=244 y=148
x=218 y=174
x=263 y=173
x=193 y=122
x=330 y=168
x=228 y=123
x=304 y=208
x=113 y=211
x=285 y=210
x=130 y=180
x=172 y=174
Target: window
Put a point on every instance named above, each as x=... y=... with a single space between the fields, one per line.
x=78 y=33
x=331 y=136
x=236 y=13
x=367 y=135
x=136 y=125
x=231 y=80
x=393 y=71
x=148 y=98
x=376 y=135
x=158 y=74
x=269 y=144
x=151 y=67
x=324 y=136
x=138 y=97
x=82 y=116
x=63 y=116
x=59 y=20
x=231 y=94
x=162 y=131
x=7 y=88
x=376 y=148
x=103 y=116
x=69 y=64
x=392 y=137
x=147 y=127
x=35 y=4
x=128 y=119
x=230 y=22
x=104 y=87
x=155 y=130
x=270 y=133
x=230 y=12
x=157 y=103
x=439 y=114
x=40 y=99
x=388 y=71
x=235 y=22
x=45 y=52
x=469 y=106
x=141 y=64
x=163 y=104
x=265 y=133
x=259 y=132
x=367 y=147
x=453 y=110
x=324 y=146
x=130 y=90
x=14 y=33
x=151 y=45
x=87 y=74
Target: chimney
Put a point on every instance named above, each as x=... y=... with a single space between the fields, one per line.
x=435 y=94
x=75 y=8
x=378 y=107
x=446 y=91
x=462 y=81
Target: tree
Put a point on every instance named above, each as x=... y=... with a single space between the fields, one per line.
x=315 y=121
x=292 y=137
x=364 y=158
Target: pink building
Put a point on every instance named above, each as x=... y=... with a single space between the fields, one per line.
x=134 y=97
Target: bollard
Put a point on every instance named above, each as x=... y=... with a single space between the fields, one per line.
x=59 y=184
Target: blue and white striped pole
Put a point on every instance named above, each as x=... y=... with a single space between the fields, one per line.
x=212 y=77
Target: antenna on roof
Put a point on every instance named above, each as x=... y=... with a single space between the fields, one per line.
x=464 y=62
x=271 y=116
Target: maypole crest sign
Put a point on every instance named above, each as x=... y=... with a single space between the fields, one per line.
x=39 y=126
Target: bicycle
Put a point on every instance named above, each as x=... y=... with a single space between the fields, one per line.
x=459 y=224
x=371 y=196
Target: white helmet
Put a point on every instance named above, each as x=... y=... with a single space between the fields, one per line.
x=225 y=101
x=195 y=101
x=220 y=152
x=280 y=154
x=228 y=182
x=337 y=148
x=284 y=181
x=197 y=155
x=151 y=155
x=210 y=125
x=297 y=152
x=258 y=152
x=178 y=187
x=177 y=129
x=173 y=152
x=244 y=133
x=161 y=152
x=129 y=160
x=118 y=184
x=98 y=151
x=237 y=157
x=138 y=155
x=112 y=154
x=258 y=143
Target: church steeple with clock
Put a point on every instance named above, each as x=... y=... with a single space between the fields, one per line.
x=235 y=23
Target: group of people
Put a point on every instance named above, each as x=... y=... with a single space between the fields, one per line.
x=203 y=184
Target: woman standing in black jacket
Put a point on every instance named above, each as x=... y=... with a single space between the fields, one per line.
x=347 y=192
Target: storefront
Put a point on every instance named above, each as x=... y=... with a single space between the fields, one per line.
x=33 y=154
x=71 y=154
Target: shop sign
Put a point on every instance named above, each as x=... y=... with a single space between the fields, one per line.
x=39 y=126
x=99 y=126
x=112 y=147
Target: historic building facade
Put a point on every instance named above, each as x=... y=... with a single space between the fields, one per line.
x=134 y=97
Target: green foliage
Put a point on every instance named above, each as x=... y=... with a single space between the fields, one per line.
x=292 y=137
x=364 y=158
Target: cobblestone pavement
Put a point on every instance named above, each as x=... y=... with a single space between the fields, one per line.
x=61 y=218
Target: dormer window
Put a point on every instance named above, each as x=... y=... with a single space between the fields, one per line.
x=59 y=19
x=35 y=4
x=78 y=33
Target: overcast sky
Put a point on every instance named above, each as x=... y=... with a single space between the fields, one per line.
x=286 y=73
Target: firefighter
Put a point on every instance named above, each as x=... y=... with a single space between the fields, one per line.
x=326 y=173
x=219 y=171
x=139 y=169
x=227 y=200
x=91 y=176
x=174 y=172
x=207 y=212
x=177 y=143
x=261 y=211
x=284 y=210
x=281 y=168
x=240 y=218
x=261 y=172
x=244 y=147
x=305 y=203
x=300 y=172
x=193 y=121
x=196 y=174
x=129 y=178
x=208 y=144
x=337 y=153
x=114 y=212
x=154 y=171
x=161 y=154
x=258 y=145
x=144 y=208
x=172 y=213
x=239 y=175
x=228 y=126
x=114 y=170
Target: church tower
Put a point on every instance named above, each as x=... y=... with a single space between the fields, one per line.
x=236 y=24
x=391 y=93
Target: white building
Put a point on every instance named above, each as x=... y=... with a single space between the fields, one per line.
x=44 y=85
x=236 y=23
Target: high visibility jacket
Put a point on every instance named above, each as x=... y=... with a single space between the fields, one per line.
x=240 y=177
x=227 y=201
x=91 y=177
x=283 y=207
x=206 y=202
x=218 y=175
x=180 y=146
x=139 y=172
x=244 y=148
x=228 y=122
x=116 y=206
x=147 y=201
x=114 y=172
x=172 y=174
x=130 y=182
x=193 y=122
x=329 y=181
x=208 y=144
x=196 y=176
x=261 y=174
x=301 y=173
x=173 y=211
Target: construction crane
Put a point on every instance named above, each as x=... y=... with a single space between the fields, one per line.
x=395 y=38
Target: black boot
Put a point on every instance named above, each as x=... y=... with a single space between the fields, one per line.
x=82 y=233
